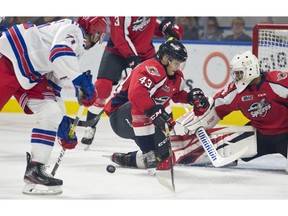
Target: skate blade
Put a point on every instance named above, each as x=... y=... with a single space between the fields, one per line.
x=37 y=189
x=108 y=156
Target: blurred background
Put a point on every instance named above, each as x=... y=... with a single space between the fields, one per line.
x=196 y=28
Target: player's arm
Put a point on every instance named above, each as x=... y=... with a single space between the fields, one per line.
x=68 y=44
x=121 y=40
x=139 y=91
x=144 y=85
x=223 y=103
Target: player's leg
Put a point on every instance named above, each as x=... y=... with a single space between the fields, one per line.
x=110 y=69
x=121 y=124
x=48 y=116
x=270 y=144
x=8 y=82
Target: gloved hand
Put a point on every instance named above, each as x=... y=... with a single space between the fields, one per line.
x=64 y=139
x=197 y=99
x=160 y=117
x=171 y=30
x=85 y=91
x=133 y=61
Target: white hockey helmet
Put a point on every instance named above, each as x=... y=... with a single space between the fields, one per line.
x=244 y=68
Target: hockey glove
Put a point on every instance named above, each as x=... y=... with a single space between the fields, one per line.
x=133 y=61
x=171 y=30
x=85 y=91
x=197 y=99
x=64 y=139
x=160 y=117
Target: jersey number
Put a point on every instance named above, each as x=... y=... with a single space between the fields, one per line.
x=146 y=82
x=117 y=21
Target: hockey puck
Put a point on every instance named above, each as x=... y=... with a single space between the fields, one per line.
x=110 y=168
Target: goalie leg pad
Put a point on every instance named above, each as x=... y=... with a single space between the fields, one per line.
x=227 y=141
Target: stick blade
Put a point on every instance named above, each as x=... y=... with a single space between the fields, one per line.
x=164 y=178
x=219 y=162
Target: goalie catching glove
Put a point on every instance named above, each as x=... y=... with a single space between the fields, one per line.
x=85 y=91
x=64 y=139
x=160 y=117
x=197 y=99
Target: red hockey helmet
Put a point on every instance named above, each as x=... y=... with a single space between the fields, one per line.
x=95 y=26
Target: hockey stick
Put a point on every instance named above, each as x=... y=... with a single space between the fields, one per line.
x=90 y=122
x=209 y=148
x=214 y=157
x=161 y=178
x=212 y=153
x=71 y=133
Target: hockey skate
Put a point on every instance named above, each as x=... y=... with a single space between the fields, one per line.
x=88 y=136
x=150 y=161
x=38 y=182
x=121 y=159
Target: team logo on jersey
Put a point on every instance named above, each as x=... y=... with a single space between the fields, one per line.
x=140 y=24
x=166 y=88
x=152 y=70
x=259 y=108
x=247 y=98
x=71 y=38
x=281 y=75
x=161 y=100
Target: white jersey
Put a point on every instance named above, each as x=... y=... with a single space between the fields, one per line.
x=37 y=50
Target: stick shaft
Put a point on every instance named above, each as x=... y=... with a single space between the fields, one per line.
x=71 y=133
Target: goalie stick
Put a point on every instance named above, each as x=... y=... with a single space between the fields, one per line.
x=71 y=132
x=209 y=148
x=214 y=157
x=159 y=174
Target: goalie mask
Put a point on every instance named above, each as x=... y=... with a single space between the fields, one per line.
x=96 y=27
x=244 y=68
x=175 y=51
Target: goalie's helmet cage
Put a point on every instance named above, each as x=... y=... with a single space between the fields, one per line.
x=93 y=25
x=244 y=68
x=174 y=49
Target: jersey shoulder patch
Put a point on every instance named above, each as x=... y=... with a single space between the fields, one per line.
x=152 y=70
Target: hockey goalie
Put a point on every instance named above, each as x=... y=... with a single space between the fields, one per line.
x=227 y=140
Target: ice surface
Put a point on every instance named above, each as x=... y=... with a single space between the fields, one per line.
x=88 y=185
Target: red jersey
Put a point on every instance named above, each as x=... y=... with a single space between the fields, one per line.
x=146 y=86
x=132 y=36
x=265 y=104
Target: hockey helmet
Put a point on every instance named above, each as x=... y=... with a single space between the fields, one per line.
x=244 y=68
x=175 y=50
x=94 y=26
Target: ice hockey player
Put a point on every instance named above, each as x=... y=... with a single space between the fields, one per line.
x=129 y=44
x=262 y=97
x=140 y=108
x=33 y=62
